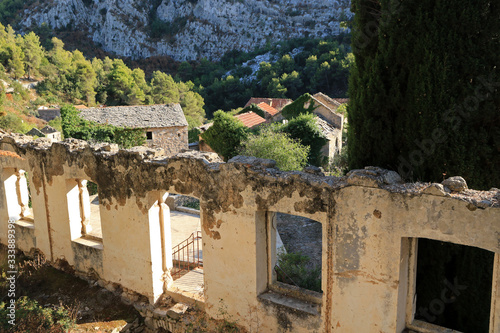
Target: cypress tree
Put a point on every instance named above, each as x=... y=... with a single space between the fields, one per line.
x=425 y=89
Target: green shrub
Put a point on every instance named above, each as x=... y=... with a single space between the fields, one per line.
x=193 y=135
x=32 y=317
x=225 y=135
x=293 y=270
x=12 y=122
x=288 y=153
x=306 y=130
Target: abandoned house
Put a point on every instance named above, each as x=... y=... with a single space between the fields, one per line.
x=269 y=111
x=330 y=122
x=48 y=114
x=373 y=234
x=47 y=132
x=276 y=103
x=165 y=126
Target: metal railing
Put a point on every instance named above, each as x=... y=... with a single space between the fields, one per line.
x=187 y=255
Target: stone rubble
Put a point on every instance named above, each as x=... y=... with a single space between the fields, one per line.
x=457 y=183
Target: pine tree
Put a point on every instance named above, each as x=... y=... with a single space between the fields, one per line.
x=33 y=53
x=14 y=54
x=425 y=89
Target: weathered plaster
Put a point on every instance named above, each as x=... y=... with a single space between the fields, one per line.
x=367 y=229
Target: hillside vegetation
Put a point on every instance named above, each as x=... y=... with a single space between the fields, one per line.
x=62 y=76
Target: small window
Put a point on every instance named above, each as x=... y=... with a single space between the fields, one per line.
x=18 y=194
x=149 y=135
x=295 y=251
x=83 y=209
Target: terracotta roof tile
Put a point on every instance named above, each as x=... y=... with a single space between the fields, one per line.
x=250 y=119
x=267 y=108
x=277 y=103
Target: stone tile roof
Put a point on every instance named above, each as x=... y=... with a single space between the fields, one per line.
x=326 y=127
x=267 y=108
x=277 y=103
x=327 y=101
x=250 y=119
x=48 y=130
x=35 y=132
x=140 y=116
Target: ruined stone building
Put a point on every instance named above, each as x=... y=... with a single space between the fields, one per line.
x=329 y=120
x=46 y=132
x=275 y=103
x=371 y=226
x=165 y=126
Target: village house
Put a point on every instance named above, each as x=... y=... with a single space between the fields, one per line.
x=165 y=126
x=269 y=111
x=47 y=132
x=277 y=103
x=329 y=120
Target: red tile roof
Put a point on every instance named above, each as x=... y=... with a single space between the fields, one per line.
x=277 y=103
x=250 y=119
x=267 y=108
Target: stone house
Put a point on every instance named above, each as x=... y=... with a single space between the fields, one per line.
x=47 y=132
x=330 y=121
x=51 y=133
x=269 y=111
x=48 y=114
x=165 y=126
x=35 y=132
x=277 y=103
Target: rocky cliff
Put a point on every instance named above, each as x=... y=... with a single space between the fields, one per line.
x=196 y=28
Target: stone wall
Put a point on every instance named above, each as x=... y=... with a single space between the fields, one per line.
x=171 y=139
x=49 y=114
x=370 y=225
x=329 y=115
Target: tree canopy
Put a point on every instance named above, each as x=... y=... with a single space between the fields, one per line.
x=225 y=135
x=425 y=97
x=288 y=153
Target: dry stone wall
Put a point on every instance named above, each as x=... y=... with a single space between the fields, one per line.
x=171 y=139
x=370 y=221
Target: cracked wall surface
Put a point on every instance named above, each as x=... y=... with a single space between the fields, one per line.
x=369 y=218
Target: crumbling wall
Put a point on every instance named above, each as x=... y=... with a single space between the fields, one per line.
x=369 y=220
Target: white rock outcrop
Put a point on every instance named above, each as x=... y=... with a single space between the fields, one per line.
x=211 y=27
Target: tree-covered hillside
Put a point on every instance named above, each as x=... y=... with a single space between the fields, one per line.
x=65 y=76
x=289 y=70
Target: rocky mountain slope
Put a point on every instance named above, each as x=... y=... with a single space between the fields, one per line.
x=191 y=28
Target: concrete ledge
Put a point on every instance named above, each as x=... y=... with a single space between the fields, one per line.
x=26 y=224
x=297 y=292
x=291 y=303
x=423 y=327
x=187 y=210
x=89 y=242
